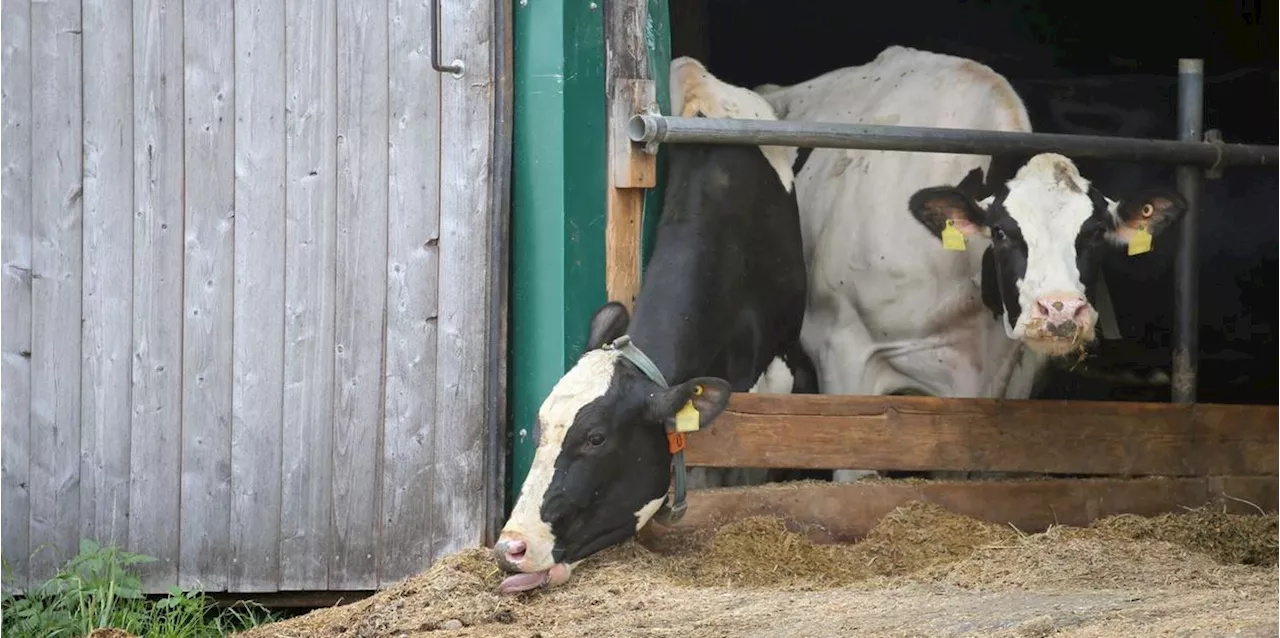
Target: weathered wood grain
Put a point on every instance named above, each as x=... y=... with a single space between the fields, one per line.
x=234 y=317
x=257 y=417
x=847 y=511
x=466 y=113
x=56 y=259
x=15 y=285
x=209 y=166
x=311 y=205
x=361 y=290
x=630 y=169
x=108 y=273
x=156 y=433
x=412 y=261
x=928 y=433
x=499 y=276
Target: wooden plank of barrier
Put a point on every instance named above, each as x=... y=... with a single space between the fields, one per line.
x=930 y=433
x=630 y=91
x=839 y=512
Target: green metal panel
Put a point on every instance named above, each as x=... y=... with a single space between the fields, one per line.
x=559 y=162
x=558 y=195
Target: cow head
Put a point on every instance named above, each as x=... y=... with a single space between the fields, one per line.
x=1046 y=227
x=602 y=466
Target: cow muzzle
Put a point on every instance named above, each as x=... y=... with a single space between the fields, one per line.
x=510 y=552
x=513 y=554
x=1060 y=323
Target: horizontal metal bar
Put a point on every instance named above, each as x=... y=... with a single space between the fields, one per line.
x=652 y=129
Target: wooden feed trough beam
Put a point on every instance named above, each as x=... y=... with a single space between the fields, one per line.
x=1141 y=458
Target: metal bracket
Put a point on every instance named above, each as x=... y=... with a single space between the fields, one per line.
x=651 y=147
x=1214 y=137
x=638 y=128
x=628 y=167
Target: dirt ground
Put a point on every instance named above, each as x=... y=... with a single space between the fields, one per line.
x=921 y=572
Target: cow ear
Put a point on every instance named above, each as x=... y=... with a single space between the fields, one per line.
x=933 y=206
x=709 y=396
x=609 y=323
x=1153 y=210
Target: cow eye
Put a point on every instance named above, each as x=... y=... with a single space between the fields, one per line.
x=595 y=439
x=997 y=233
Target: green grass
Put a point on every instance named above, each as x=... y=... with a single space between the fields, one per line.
x=99 y=588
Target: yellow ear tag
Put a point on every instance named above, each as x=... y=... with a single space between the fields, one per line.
x=687 y=418
x=952 y=239
x=1140 y=242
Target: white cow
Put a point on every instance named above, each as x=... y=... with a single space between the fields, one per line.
x=890 y=310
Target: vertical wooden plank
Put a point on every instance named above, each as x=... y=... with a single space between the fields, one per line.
x=500 y=190
x=108 y=272
x=630 y=169
x=414 y=197
x=15 y=252
x=361 y=290
x=55 y=287
x=155 y=438
x=310 y=198
x=209 y=148
x=466 y=155
x=258 y=383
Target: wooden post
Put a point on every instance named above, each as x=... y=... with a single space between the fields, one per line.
x=629 y=90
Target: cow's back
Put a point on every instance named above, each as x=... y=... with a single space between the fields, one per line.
x=866 y=255
x=725 y=287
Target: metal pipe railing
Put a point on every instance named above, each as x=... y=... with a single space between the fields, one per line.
x=654 y=129
x=1186 y=287
x=1193 y=152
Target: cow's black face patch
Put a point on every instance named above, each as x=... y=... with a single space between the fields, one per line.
x=603 y=464
x=613 y=463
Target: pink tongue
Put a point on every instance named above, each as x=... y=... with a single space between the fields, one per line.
x=524 y=582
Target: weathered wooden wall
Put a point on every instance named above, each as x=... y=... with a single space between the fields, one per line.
x=245 y=287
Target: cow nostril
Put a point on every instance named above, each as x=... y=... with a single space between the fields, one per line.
x=515 y=550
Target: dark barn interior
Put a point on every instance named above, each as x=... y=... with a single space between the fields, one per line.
x=1086 y=67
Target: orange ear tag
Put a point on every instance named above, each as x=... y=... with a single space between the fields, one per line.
x=952 y=239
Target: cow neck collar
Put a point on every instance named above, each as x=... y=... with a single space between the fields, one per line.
x=673 y=508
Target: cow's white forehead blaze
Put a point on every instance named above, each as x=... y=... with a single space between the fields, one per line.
x=1049 y=200
x=587 y=381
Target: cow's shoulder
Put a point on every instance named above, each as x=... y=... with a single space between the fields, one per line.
x=695 y=92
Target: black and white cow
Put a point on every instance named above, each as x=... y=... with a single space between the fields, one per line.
x=1237 y=238
x=723 y=297
x=891 y=310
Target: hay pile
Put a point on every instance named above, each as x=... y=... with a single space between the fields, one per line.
x=920 y=571
x=911 y=537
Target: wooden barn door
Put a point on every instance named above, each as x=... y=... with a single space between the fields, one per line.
x=251 y=313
